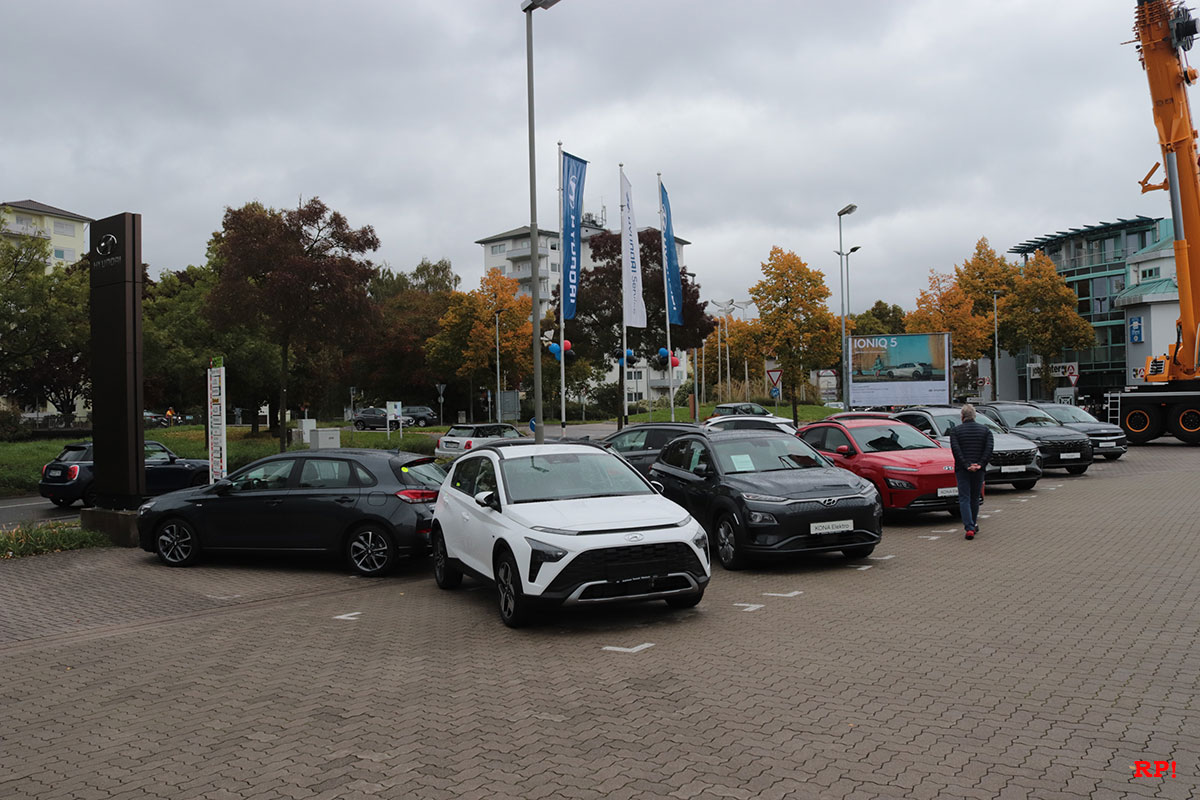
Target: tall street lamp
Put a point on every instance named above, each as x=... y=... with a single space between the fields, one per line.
x=528 y=7
x=726 y=309
x=849 y=209
x=996 y=342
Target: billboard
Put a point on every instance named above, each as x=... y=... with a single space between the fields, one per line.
x=900 y=369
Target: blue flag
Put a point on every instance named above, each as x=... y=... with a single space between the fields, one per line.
x=573 y=171
x=674 y=284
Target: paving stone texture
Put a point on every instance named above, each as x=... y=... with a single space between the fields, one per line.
x=1041 y=661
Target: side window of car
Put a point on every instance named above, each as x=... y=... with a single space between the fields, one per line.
x=485 y=478
x=835 y=438
x=365 y=478
x=755 y=408
x=630 y=441
x=696 y=458
x=657 y=438
x=155 y=452
x=672 y=454
x=464 y=475
x=917 y=421
x=510 y=433
x=815 y=437
x=322 y=473
x=272 y=476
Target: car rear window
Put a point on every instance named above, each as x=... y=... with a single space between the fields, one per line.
x=74 y=454
x=424 y=472
x=461 y=430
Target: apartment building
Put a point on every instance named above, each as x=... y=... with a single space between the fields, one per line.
x=66 y=231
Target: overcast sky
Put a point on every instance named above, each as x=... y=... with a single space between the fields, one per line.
x=943 y=120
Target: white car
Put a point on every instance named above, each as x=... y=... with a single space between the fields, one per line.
x=461 y=438
x=746 y=422
x=564 y=523
x=908 y=369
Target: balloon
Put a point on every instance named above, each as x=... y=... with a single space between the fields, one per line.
x=558 y=356
x=674 y=361
x=663 y=352
x=554 y=348
x=566 y=345
x=570 y=354
x=629 y=354
x=621 y=360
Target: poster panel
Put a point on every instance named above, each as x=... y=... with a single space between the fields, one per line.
x=899 y=370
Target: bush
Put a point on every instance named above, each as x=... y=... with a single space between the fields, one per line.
x=12 y=428
x=51 y=537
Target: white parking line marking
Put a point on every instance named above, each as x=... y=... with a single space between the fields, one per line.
x=22 y=505
x=984 y=516
x=222 y=596
x=750 y=606
x=880 y=558
x=860 y=569
x=637 y=649
x=948 y=530
x=788 y=594
x=353 y=615
x=930 y=538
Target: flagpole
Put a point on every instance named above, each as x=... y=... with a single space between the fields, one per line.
x=562 y=302
x=624 y=362
x=662 y=226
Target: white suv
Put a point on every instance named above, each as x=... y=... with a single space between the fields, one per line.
x=564 y=523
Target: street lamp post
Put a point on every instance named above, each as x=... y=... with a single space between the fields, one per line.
x=726 y=309
x=498 y=419
x=996 y=342
x=849 y=209
x=528 y=7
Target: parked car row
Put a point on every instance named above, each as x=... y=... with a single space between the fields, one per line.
x=639 y=516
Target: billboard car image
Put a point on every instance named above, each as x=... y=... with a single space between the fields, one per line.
x=903 y=369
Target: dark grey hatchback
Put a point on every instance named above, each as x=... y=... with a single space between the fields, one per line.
x=761 y=493
x=372 y=506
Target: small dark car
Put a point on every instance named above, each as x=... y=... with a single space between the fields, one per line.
x=1059 y=446
x=762 y=493
x=640 y=444
x=1108 y=440
x=69 y=476
x=372 y=506
x=420 y=416
x=371 y=418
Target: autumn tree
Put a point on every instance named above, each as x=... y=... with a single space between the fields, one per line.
x=796 y=325
x=880 y=318
x=465 y=344
x=1041 y=313
x=744 y=348
x=982 y=274
x=944 y=306
x=298 y=275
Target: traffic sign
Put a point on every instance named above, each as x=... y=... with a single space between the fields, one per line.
x=775 y=376
x=774 y=391
x=441 y=387
x=1074 y=379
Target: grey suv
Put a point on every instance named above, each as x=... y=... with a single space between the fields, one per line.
x=1060 y=447
x=1014 y=459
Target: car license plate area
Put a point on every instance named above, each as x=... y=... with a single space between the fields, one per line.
x=948 y=491
x=834 y=526
x=1108 y=444
x=54 y=472
x=1013 y=468
x=450 y=445
x=635 y=570
x=1065 y=456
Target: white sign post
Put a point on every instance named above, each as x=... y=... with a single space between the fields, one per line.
x=395 y=410
x=217 y=444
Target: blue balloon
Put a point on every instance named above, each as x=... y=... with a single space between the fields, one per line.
x=663 y=352
x=555 y=347
x=629 y=354
x=558 y=356
x=620 y=360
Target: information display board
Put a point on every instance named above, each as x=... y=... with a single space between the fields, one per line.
x=901 y=369
x=217 y=446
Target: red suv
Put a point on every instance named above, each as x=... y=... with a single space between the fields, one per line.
x=911 y=471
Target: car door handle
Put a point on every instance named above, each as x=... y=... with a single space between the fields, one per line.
x=275 y=502
x=344 y=500
x=466 y=516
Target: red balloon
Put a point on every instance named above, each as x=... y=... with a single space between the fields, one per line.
x=566 y=345
x=674 y=361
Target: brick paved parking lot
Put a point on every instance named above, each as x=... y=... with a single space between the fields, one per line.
x=1042 y=660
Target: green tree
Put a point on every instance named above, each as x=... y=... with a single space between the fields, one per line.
x=880 y=318
x=1040 y=312
x=796 y=325
x=298 y=275
x=24 y=293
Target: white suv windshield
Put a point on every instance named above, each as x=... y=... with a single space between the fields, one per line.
x=569 y=476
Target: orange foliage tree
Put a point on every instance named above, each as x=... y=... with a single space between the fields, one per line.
x=465 y=345
x=944 y=306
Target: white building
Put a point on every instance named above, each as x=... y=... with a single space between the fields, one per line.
x=66 y=231
x=1150 y=301
x=510 y=252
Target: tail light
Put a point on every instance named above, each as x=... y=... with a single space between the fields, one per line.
x=418 y=495
x=44 y=469
x=424 y=526
x=72 y=472
x=439 y=444
x=467 y=446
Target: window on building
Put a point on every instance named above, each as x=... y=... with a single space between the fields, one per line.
x=65 y=254
x=1116 y=334
x=554 y=266
x=634 y=396
x=23 y=220
x=1116 y=284
x=554 y=244
x=633 y=374
x=499 y=248
x=1149 y=273
x=64 y=228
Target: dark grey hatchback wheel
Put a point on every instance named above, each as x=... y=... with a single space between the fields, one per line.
x=371 y=551
x=176 y=544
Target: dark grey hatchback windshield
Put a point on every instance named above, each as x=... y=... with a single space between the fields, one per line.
x=1027 y=418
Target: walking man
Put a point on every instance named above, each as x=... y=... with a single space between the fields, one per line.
x=971 y=444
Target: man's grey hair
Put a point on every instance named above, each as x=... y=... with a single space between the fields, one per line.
x=968 y=412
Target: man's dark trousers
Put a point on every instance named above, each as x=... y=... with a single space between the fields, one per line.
x=970 y=490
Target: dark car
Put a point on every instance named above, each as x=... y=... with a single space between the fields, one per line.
x=69 y=476
x=1108 y=440
x=371 y=418
x=372 y=506
x=725 y=409
x=640 y=444
x=761 y=493
x=420 y=416
x=1059 y=446
x=1014 y=459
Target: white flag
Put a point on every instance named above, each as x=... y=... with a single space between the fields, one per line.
x=631 y=264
